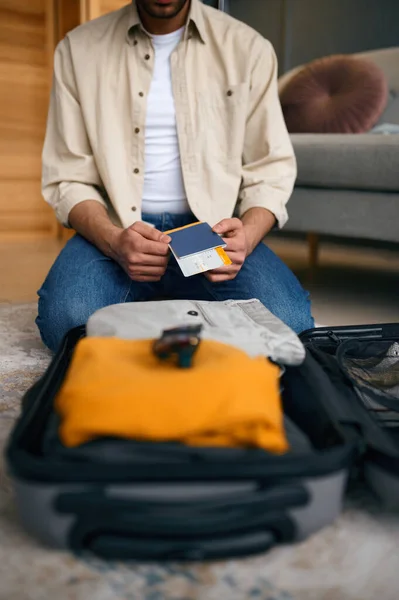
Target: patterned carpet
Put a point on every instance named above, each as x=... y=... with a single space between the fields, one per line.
x=355 y=559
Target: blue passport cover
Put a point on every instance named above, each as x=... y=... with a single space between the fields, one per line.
x=194 y=239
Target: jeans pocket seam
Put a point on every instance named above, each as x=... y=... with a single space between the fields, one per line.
x=126 y=294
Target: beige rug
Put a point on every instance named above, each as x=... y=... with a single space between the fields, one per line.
x=355 y=559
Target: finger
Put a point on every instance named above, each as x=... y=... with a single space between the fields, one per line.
x=151 y=260
x=225 y=270
x=219 y=278
x=228 y=226
x=152 y=248
x=145 y=279
x=233 y=244
x=150 y=233
x=145 y=271
x=230 y=235
x=237 y=256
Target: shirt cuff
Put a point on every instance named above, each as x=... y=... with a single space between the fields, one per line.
x=264 y=197
x=72 y=194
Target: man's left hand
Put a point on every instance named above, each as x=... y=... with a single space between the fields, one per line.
x=233 y=233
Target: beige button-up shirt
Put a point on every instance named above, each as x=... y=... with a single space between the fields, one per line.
x=234 y=146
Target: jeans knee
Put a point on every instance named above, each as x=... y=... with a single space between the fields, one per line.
x=303 y=321
x=305 y=318
x=56 y=318
x=297 y=313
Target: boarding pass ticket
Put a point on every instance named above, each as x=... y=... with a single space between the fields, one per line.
x=203 y=261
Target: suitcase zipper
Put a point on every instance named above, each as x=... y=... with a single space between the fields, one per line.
x=334 y=337
x=371 y=332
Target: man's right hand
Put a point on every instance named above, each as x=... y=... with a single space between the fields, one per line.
x=141 y=251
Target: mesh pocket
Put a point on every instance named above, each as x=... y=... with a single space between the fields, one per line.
x=373 y=369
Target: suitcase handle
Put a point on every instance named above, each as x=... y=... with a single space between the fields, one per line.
x=114 y=547
x=184 y=526
x=269 y=498
x=125 y=528
x=119 y=539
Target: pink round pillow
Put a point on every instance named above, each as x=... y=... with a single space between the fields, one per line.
x=337 y=94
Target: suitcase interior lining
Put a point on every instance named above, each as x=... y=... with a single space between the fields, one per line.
x=113 y=449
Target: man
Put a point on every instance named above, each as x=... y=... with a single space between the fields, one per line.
x=164 y=113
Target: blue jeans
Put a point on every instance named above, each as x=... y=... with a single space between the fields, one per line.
x=83 y=280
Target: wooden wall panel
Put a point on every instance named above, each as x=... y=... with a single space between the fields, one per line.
x=68 y=14
x=109 y=5
x=91 y=9
x=22 y=204
x=62 y=16
x=29 y=32
x=23 y=110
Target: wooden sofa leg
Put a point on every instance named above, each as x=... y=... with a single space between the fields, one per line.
x=313 y=248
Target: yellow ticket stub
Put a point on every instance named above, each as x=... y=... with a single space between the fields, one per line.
x=226 y=260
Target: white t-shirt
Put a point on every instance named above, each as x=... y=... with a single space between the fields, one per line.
x=163 y=179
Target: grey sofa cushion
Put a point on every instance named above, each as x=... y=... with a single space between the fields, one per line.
x=360 y=162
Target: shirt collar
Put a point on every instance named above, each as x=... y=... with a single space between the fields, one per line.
x=195 y=20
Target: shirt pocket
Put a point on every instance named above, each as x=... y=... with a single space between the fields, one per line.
x=222 y=114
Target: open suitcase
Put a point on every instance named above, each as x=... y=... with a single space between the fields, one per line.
x=127 y=500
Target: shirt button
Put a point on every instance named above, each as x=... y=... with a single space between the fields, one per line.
x=136 y=170
x=141 y=94
x=147 y=57
x=135 y=43
x=229 y=93
x=137 y=130
x=134 y=208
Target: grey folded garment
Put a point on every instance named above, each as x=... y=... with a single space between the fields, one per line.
x=121 y=451
x=246 y=324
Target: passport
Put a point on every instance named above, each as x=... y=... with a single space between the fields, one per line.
x=194 y=239
x=197 y=249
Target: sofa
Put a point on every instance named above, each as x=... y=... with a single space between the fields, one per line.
x=348 y=185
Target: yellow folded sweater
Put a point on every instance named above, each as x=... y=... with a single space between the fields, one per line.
x=118 y=388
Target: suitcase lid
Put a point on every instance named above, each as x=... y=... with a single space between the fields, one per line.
x=329 y=347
